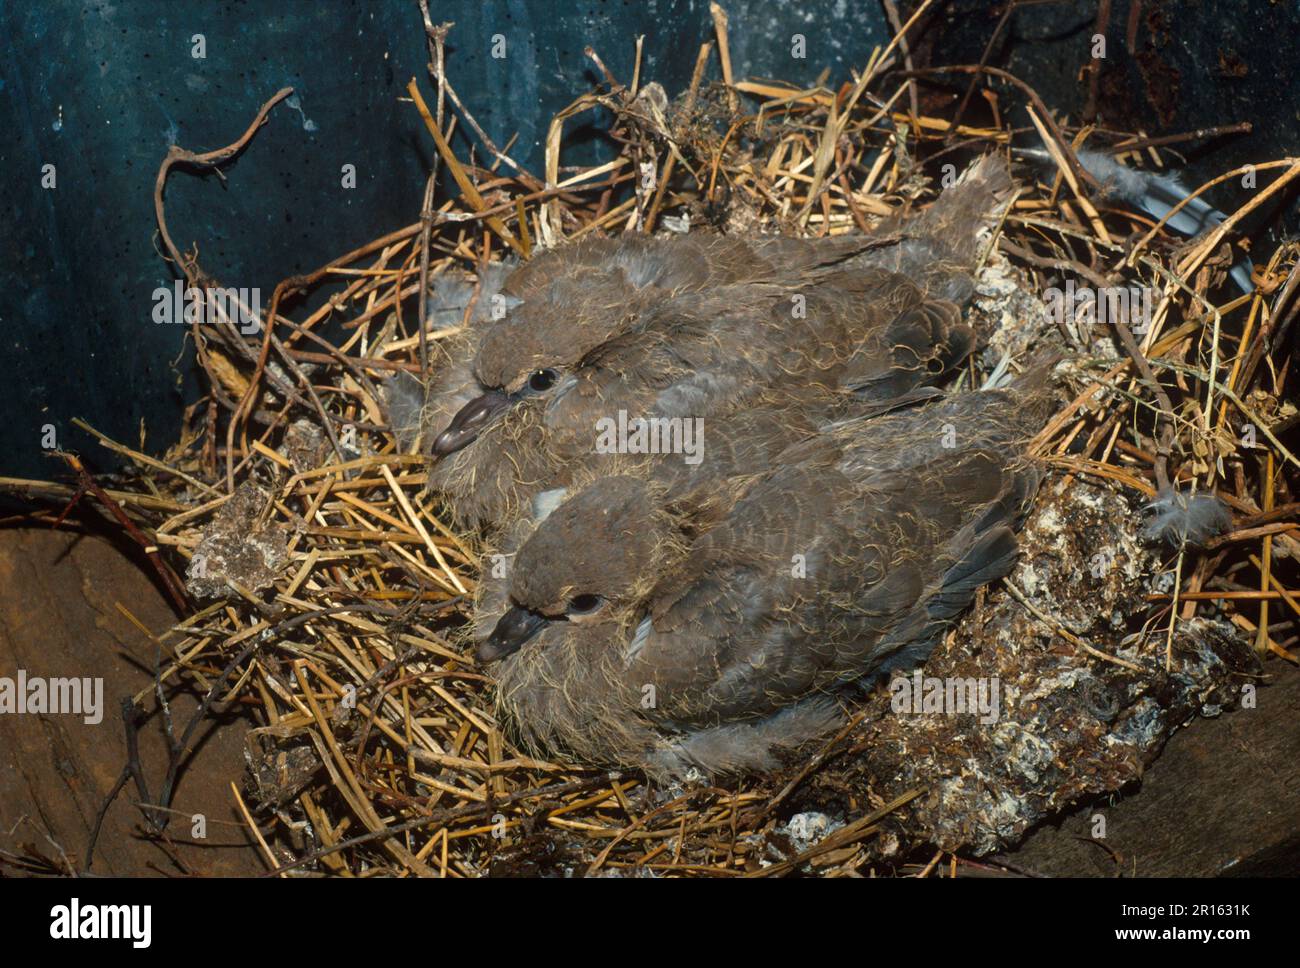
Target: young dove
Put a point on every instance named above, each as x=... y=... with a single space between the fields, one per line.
x=581 y=296
x=702 y=355
x=648 y=333
x=548 y=313
x=706 y=627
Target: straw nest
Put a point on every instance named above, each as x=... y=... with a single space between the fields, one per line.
x=341 y=596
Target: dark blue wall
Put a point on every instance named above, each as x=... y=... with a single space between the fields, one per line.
x=100 y=89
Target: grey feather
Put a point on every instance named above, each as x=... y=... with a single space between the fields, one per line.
x=1155 y=193
x=1178 y=518
x=452 y=295
x=746 y=747
x=404 y=397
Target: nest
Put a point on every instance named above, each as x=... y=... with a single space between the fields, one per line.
x=324 y=596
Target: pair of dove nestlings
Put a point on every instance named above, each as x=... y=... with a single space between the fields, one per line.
x=682 y=614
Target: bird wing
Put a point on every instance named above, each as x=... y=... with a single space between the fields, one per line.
x=747 y=623
x=835 y=566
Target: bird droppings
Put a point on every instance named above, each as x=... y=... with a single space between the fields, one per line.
x=1007 y=312
x=280 y=765
x=1073 y=725
x=809 y=828
x=237 y=550
x=305 y=445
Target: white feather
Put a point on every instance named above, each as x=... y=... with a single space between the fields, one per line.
x=1179 y=518
x=547 y=501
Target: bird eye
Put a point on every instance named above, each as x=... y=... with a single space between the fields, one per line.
x=584 y=604
x=542 y=380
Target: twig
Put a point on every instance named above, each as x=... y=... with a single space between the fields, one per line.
x=175 y=588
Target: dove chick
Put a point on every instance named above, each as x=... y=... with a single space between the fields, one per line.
x=707 y=627
x=700 y=356
x=696 y=327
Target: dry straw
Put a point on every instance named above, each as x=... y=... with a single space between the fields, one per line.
x=378 y=751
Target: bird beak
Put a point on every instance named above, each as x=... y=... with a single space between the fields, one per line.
x=470 y=421
x=515 y=628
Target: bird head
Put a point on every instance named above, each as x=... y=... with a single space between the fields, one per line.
x=533 y=352
x=592 y=561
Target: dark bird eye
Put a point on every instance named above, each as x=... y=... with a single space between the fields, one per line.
x=583 y=604
x=542 y=380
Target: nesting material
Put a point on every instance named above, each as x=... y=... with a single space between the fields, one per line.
x=1051 y=720
x=342 y=590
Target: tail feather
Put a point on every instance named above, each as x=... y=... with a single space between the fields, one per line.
x=957 y=215
x=988 y=559
x=939 y=247
x=985 y=550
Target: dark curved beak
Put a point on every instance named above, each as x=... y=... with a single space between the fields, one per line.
x=515 y=628
x=470 y=421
